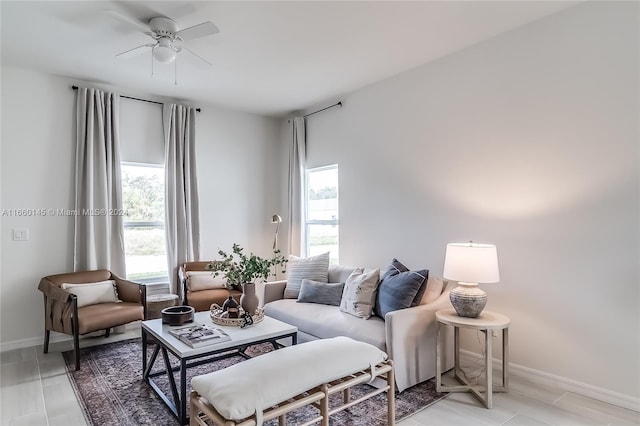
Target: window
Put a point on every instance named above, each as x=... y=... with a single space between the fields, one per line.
x=321 y=212
x=144 y=239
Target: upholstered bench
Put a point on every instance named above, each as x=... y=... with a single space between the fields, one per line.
x=273 y=384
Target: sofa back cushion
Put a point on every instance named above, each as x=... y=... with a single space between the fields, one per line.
x=339 y=273
x=435 y=287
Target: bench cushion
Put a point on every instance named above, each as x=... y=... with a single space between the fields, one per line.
x=325 y=321
x=241 y=390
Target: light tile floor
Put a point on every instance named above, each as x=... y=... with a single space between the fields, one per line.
x=35 y=391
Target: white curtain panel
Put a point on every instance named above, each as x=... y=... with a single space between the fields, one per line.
x=99 y=233
x=297 y=165
x=182 y=223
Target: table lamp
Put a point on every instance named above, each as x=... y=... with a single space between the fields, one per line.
x=469 y=264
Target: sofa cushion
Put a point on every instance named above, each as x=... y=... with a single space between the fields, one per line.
x=204 y=280
x=339 y=273
x=324 y=321
x=359 y=293
x=93 y=293
x=323 y=293
x=313 y=268
x=434 y=289
x=400 y=288
x=107 y=315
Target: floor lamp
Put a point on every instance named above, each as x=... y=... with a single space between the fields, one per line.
x=276 y=219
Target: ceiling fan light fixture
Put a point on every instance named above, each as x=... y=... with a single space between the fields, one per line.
x=163 y=52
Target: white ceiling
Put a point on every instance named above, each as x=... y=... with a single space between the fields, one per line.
x=269 y=58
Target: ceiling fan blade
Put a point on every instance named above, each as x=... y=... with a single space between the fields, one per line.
x=131 y=22
x=197 y=31
x=197 y=56
x=135 y=51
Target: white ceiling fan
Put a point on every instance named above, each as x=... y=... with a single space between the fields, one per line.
x=168 y=38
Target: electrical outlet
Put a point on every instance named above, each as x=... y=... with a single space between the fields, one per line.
x=21 y=234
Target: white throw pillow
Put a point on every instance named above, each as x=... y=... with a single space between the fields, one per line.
x=93 y=293
x=204 y=280
x=359 y=292
x=313 y=268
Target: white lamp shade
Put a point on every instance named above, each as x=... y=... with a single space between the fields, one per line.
x=471 y=263
x=163 y=52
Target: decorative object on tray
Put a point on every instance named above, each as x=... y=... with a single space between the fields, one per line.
x=230 y=308
x=197 y=335
x=177 y=315
x=217 y=316
x=244 y=270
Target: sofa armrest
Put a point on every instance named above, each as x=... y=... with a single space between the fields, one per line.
x=272 y=290
x=411 y=341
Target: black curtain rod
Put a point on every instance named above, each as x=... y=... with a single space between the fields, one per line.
x=320 y=110
x=136 y=99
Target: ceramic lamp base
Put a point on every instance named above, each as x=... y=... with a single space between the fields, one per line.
x=468 y=300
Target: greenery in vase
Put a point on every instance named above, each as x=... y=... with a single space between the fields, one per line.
x=239 y=268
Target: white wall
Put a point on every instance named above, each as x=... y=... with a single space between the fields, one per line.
x=238 y=190
x=528 y=141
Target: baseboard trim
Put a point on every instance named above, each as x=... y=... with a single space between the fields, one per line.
x=568 y=385
x=54 y=338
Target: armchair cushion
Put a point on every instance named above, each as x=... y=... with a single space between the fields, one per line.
x=93 y=293
x=107 y=315
x=204 y=280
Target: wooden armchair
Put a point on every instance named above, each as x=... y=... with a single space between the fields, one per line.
x=62 y=313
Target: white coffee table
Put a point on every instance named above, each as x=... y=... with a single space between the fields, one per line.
x=268 y=330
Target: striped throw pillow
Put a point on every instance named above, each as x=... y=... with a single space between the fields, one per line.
x=314 y=268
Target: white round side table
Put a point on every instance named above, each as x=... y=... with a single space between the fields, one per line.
x=486 y=323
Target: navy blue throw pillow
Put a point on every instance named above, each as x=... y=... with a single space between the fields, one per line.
x=400 y=288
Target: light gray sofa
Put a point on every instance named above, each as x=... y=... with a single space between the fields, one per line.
x=408 y=336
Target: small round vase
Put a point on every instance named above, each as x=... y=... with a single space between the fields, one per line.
x=249 y=299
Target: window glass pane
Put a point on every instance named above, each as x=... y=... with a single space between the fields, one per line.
x=143 y=193
x=322 y=194
x=144 y=238
x=322 y=239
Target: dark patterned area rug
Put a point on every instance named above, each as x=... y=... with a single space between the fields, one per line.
x=111 y=391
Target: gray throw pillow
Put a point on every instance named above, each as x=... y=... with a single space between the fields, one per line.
x=400 y=288
x=321 y=293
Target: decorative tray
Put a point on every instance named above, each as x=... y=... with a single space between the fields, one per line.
x=216 y=314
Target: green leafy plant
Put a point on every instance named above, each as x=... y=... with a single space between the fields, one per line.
x=239 y=268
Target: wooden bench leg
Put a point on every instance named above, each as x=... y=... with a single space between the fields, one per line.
x=391 y=399
x=324 y=406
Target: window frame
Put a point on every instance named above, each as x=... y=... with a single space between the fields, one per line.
x=327 y=222
x=158 y=224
